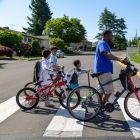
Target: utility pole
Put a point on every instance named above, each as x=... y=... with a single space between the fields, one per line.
x=12 y=25
x=136 y=38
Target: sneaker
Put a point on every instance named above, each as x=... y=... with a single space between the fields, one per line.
x=102 y=115
x=49 y=105
x=47 y=102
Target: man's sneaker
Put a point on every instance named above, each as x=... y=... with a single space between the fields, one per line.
x=102 y=115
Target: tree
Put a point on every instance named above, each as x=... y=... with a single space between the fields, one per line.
x=119 y=42
x=57 y=42
x=35 y=47
x=108 y=20
x=69 y=30
x=10 y=39
x=40 y=15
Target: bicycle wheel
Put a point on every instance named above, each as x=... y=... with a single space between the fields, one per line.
x=27 y=102
x=89 y=106
x=29 y=84
x=132 y=105
x=63 y=100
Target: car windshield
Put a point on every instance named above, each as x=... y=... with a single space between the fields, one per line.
x=58 y=51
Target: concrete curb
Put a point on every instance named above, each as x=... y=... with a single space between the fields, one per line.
x=138 y=73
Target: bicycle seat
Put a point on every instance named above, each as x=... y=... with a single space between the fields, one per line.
x=38 y=83
x=96 y=74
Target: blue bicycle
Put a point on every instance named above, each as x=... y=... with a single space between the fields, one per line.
x=91 y=104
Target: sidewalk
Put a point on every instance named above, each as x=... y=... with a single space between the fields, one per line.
x=136 y=64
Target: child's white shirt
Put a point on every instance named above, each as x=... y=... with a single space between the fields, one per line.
x=43 y=74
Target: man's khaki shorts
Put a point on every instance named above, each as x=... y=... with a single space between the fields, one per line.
x=103 y=79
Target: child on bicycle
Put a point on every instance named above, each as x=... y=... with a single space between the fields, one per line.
x=53 y=60
x=77 y=71
x=46 y=67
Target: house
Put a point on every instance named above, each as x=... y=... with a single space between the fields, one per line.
x=88 y=44
x=27 y=38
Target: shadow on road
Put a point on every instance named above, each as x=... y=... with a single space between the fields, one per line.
x=108 y=125
x=2 y=65
x=42 y=111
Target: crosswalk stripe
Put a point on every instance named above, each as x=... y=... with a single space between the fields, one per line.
x=64 y=125
x=7 y=108
x=134 y=126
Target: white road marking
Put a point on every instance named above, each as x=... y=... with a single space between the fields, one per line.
x=64 y=125
x=134 y=126
x=7 y=108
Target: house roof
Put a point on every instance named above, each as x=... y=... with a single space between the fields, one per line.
x=86 y=41
x=24 y=34
x=42 y=37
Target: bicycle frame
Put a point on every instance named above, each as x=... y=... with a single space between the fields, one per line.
x=121 y=93
x=52 y=86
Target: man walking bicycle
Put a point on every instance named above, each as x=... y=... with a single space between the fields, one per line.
x=103 y=63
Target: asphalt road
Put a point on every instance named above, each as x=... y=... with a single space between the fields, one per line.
x=33 y=123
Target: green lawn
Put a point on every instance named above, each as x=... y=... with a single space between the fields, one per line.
x=135 y=57
x=25 y=58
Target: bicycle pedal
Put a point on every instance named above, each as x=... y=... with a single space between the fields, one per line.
x=118 y=106
x=117 y=94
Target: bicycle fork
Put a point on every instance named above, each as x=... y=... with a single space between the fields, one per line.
x=133 y=89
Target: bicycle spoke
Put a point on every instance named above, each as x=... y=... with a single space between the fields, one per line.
x=89 y=105
x=132 y=106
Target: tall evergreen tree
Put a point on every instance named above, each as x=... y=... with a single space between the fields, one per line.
x=108 y=20
x=40 y=15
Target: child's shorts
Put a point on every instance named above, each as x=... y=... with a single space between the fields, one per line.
x=72 y=86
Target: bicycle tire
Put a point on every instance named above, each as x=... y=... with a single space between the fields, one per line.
x=31 y=83
x=128 y=100
x=81 y=110
x=27 y=85
x=61 y=98
x=18 y=100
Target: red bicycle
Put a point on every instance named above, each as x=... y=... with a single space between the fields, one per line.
x=31 y=99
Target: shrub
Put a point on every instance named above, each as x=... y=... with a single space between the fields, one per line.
x=35 y=47
x=57 y=42
x=5 y=51
x=25 y=48
x=9 y=39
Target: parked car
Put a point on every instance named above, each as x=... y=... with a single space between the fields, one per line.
x=60 y=54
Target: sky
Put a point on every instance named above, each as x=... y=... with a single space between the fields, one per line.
x=13 y=13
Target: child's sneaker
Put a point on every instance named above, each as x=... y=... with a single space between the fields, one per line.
x=47 y=102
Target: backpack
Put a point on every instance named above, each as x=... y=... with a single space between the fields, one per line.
x=36 y=71
x=74 y=77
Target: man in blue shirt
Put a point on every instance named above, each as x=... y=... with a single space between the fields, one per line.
x=103 y=63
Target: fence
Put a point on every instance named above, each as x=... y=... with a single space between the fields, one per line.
x=131 y=50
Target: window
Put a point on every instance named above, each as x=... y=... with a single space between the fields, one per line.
x=25 y=39
x=29 y=40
